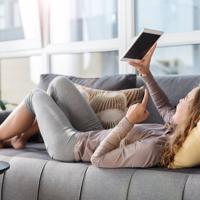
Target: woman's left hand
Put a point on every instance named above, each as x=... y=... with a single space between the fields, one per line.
x=138 y=113
x=143 y=65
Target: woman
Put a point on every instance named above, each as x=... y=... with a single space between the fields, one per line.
x=72 y=132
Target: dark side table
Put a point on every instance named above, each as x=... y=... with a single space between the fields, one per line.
x=4 y=166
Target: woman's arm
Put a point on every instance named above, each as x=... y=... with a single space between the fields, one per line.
x=109 y=153
x=159 y=98
x=110 y=143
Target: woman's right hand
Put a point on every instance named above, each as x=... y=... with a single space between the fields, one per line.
x=143 y=65
x=137 y=113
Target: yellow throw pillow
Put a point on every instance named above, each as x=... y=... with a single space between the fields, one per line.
x=189 y=153
x=111 y=106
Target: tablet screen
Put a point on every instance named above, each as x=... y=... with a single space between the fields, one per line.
x=142 y=45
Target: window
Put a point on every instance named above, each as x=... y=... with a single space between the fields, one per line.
x=86 y=37
x=177 y=60
x=19 y=25
x=168 y=15
x=178 y=49
x=86 y=64
x=10 y=21
x=83 y=20
x=85 y=33
x=17 y=78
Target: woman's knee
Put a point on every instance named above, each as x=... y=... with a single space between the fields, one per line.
x=60 y=156
x=36 y=92
x=32 y=97
x=39 y=97
x=62 y=151
x=39 y=94
x=59 y=83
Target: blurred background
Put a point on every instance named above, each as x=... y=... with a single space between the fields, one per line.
x=85 y=38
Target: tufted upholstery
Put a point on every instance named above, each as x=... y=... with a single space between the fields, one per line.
x=33 y=175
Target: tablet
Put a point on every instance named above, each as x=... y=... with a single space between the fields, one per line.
x=142 y=44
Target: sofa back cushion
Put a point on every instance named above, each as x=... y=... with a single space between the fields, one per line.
x=114 y=82
x=174 y=86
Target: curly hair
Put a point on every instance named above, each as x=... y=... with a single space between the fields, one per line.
x=181 y=132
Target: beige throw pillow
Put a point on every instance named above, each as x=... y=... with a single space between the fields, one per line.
x=111 y=106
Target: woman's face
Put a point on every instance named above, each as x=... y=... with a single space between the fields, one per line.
x=182 y=109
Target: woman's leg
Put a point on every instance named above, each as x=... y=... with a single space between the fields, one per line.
x=58 y=91
x=16 y=123
x=61 y=91
x=58 y=134
x=68 y=98
x=72 y=103
x=19 y=141
x=56 y=129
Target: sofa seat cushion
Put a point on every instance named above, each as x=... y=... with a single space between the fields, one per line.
x=32 y=150
x=33 y=175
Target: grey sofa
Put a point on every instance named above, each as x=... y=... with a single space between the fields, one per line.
x=33 y=175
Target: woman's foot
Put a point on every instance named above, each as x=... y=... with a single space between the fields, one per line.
x=18 y=142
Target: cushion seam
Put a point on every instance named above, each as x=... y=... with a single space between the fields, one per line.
x=2 y=186
x=130 y=184
x=80 y=195
x=183 y=192
x=39 y=182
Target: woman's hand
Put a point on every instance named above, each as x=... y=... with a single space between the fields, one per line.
x=137 y=113
x=142 y=66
